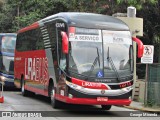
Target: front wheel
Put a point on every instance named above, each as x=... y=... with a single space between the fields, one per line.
x=55 y=103
x=106 y=107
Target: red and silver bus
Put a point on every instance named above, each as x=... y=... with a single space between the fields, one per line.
x=77 y=58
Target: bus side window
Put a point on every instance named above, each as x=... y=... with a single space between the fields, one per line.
x=39 y=40
x=18 y=42
x=61 y=55
x=52 y=36
x=33 y=40
x=21 y=42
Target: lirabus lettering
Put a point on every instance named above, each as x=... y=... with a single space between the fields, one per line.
x=36 y=69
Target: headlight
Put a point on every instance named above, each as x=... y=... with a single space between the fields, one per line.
x=2 y=78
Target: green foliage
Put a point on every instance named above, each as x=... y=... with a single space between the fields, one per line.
x=150 y=103
x=136 y=3
x=1 y=4
x=16 y=14
x=6 y=17
x=26 y=12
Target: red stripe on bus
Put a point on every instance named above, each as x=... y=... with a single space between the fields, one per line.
x=36 y=90
x=33 y=26
x=89 y=101
x=92 y=85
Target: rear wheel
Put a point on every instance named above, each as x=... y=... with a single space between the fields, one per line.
x=106 y=107
x=55 y=103
x=23 y=91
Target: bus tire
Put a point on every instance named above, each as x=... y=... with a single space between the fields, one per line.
x=55 y=103
x=23 y=91
x=106 y=107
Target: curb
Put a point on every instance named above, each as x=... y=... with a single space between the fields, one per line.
x=143 y=109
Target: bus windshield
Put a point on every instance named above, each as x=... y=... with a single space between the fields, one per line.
x=102 y=55
x=8 y=44
x=83 y=55
x=7 y=64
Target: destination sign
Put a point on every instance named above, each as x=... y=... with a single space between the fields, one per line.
x=117 y=37
x=87 y=31
x=82 y=34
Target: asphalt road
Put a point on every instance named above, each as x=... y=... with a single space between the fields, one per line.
x=15 y=102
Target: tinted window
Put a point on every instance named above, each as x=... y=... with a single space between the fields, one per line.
x=52 y=39
x=30 y=40
x=54 y=31
x=22 y=43
x=7 y=64
x=52 y=34
x=61 y=26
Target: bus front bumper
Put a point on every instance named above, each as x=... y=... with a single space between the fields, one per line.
x=93 y=101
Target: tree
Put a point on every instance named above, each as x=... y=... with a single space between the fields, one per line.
x=6 y=17
x=16 y=14
x=28 y=12
x=152 y=27
x=1 y=3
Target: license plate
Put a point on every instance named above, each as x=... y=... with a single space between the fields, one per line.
x=104 y=99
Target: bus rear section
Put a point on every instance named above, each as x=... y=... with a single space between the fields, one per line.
x=73 y=60
x=7 y=42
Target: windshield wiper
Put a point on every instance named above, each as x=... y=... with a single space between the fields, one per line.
x=98 y=58
x=113 y=66
x=94 y=63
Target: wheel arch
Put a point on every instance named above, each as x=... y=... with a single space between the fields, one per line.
x=50 y=84
x=22 y=77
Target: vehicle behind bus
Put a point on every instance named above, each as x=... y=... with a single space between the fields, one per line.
x=77 y=58
x=7 y=43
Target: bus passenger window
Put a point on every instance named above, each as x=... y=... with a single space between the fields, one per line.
x=62 y=57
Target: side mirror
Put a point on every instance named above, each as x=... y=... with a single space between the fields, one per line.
x=64 y=42
x=140 y=46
